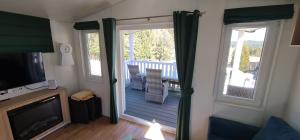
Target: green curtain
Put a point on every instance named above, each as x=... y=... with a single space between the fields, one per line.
x=185 y=31
x=22 y=33
x=255 y=14
x=87 y=25
x=109 y=28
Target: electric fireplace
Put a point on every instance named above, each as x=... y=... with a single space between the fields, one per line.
x=30 y=120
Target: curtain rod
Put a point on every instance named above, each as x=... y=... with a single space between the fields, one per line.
x=201 y=13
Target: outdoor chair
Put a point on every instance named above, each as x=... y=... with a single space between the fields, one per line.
x=137 y=81
x=156 y=88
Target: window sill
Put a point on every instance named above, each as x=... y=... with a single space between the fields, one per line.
x=261 y=108
x=98 y=79
x=240 y=103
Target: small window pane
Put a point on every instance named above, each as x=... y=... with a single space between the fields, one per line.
x=93 y=53
x=243 y=64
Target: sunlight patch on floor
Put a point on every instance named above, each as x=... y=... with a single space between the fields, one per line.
x=154 y=132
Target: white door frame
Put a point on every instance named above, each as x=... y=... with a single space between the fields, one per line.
x=120 y=73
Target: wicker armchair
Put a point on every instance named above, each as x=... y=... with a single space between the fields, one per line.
x=156 y=88
x=137 y=81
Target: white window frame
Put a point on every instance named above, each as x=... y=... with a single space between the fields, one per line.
x=86 y=63
x=264 y=74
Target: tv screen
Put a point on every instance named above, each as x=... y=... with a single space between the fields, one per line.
x=20 y=69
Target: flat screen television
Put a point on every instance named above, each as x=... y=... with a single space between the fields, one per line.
x=20 y=69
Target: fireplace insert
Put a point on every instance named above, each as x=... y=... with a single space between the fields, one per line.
x=30 y=120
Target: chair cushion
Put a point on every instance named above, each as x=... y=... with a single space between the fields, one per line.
x=277 y=129
x=83 y=95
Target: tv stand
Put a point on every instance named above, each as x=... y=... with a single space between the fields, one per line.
x=23 y=100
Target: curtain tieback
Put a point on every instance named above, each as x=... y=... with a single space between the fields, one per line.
x=114 y=81
x=187 y=92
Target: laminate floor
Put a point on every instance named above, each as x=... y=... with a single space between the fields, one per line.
x=101 y=129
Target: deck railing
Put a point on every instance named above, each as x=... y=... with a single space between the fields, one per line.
x=169 y=69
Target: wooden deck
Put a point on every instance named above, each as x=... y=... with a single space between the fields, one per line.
x=165 y=114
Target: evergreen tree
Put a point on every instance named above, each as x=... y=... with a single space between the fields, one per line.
x=93 y=44
x=255 y=51
x=143 y=40
x=245 y=62
x=163 y=49
x=155 y=45
x=126 y=46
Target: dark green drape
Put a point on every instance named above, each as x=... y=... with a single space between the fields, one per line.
x=109 y=28
x=87 y=25
x=255 y=14
x=185 y=31
x=22 y=33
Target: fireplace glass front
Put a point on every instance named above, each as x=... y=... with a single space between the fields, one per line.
x=30 y=120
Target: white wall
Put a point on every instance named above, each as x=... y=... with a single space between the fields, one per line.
x=292 y=112
x=283 y=73
x=210 y=27
x=293 y=109
x=66 y=76
x=101 y=86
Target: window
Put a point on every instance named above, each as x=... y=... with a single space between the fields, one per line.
x=91 y=49
x=245 y=62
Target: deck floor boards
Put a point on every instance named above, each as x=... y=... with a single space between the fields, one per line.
x=165 y=114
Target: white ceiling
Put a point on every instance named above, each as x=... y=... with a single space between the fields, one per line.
x=65 y=10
